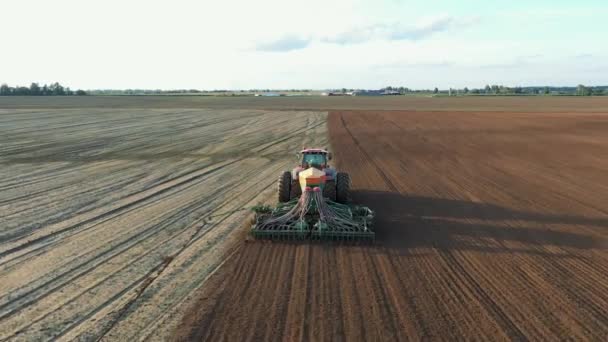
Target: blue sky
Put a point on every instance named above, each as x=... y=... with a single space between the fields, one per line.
x=309 y=44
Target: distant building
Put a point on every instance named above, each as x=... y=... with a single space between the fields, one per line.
x=367 y=93
x=363 y=92
x=391 y=92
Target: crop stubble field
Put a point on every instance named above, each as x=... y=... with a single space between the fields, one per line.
x=491 y=219
x=490 y=226
x=108 y=215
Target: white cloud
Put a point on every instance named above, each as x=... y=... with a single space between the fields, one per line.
x=395 y=31
x=285 y=43
x=425 y=28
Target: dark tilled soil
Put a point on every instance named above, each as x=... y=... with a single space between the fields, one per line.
x=491 y=226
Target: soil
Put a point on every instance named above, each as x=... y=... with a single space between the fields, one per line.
x=110 y=219
x=564 y=104
x=490 y=226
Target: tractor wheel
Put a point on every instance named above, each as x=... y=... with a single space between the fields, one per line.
x=342 y=187
x=284 y=187
x=296 y=191
x=329 y=191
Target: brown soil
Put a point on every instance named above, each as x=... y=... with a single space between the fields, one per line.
x=491 y=226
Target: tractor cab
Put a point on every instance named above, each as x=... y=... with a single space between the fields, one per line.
x=316 y=158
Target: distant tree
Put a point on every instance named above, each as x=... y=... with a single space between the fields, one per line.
x=436 y=90
x=487 y=89
x=546 y=91
x=466 y=90
x=81 y=92
x=5 y=89
x=21 y=91
x=56 y=89
x=581 y=90
x=35 y=89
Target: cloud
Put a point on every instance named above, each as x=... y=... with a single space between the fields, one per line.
x=423 y=29
x=397 y=31
x=284 y=44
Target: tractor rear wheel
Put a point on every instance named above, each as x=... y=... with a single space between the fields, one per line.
x=342 y=187
x=329 y=191
x=296 y=191
x=284 y=187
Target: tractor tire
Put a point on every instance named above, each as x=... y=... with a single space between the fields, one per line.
x=329 y=191
x=296 y=191
x=284 y=187
x=342 y=187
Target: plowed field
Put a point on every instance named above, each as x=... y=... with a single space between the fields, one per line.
x=111 y=218
x=491 y=226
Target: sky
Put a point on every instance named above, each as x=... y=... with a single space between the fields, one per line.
x=313 y=44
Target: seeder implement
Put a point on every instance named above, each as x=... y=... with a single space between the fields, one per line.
x=313 y=217
x=313 y=209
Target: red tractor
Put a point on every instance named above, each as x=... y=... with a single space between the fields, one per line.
x=336 y=185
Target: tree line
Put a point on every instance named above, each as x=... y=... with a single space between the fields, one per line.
x=580 y=90
x=191 y=91
x=56 y=89
x=495 y=89
x=53 y=89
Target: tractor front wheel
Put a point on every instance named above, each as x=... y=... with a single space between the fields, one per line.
x=284 y=187
x=342 y=187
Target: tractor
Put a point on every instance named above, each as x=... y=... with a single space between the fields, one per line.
x=336 y=187
x=314 y=203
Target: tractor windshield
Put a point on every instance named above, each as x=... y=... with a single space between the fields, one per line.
x=316 y=160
